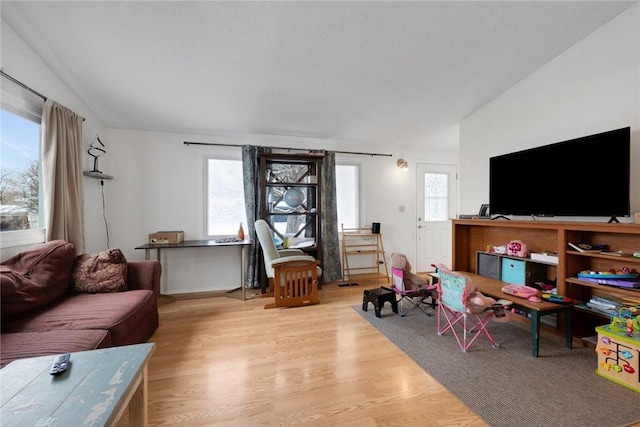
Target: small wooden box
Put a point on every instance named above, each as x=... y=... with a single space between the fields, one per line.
x=618 y=357
x=166 y=237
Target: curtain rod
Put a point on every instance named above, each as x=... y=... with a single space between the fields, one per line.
x=187 y=143
x=22 y=85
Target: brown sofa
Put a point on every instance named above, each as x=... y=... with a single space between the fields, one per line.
x=43 y=314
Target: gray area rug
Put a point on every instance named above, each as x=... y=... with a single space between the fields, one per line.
x=507 y=386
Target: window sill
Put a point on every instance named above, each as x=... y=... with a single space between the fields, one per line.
x=10 y=239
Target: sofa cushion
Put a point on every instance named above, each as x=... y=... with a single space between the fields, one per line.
x=102 y=272
x=35 y=277
x=130 y=317
x=34 y=344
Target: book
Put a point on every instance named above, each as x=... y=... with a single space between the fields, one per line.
x=583 y=247
x=550 y=257
x=614 y=282
x=610 y=303
x=616 y=253
x=599 y=309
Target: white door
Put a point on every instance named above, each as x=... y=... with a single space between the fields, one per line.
x=436 y=189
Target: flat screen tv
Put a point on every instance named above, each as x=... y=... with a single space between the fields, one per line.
x=586 y=177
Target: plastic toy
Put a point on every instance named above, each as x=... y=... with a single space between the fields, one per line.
x=626 y=322
x=520 y=291
x=556 y=298
x=517 y=248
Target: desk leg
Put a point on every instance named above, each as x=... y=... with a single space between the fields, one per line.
x=147 y=254
x=535 y=331
x=568 y=328
x=243 y=256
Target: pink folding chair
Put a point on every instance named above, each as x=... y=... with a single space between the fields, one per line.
x=455 y=314
x=414 y=298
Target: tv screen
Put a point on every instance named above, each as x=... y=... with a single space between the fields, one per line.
x=587 y=176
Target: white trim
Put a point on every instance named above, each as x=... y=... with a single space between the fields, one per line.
x=23 y=105
x=10 y=239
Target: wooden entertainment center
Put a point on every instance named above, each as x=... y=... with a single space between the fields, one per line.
x=475 y=235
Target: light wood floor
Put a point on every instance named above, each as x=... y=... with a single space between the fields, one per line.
x=225 y=362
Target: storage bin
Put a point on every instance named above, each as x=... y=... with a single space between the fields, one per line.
x=513 y=271
x=488 y=265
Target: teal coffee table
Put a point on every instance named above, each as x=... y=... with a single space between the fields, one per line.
x=95 y=390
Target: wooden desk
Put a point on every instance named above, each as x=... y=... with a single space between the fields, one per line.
x=492 y=287
x=243 y=245
x=95 y=389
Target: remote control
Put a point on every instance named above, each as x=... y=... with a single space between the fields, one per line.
x=60 y=364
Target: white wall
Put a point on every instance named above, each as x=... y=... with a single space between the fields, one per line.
x=19 y=61
x=592 y=87
x=159 y=184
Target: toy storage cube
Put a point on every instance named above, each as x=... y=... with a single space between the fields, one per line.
x=618 y=357
x=513 y=271
x=488 y=265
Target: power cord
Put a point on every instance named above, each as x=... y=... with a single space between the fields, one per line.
x=104 y=215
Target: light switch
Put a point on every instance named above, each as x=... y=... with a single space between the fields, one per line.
x=401 y=209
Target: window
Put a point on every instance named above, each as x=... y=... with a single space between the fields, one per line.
x=348 y=196
x=435 y=196
x=225 y=205
x=224 y=201
x=21 y=200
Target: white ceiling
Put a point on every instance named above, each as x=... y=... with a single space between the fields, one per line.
x=368 y=73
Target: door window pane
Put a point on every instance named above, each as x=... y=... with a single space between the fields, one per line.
x=435 y=196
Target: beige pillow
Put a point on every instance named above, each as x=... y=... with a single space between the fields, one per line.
x=98 y=273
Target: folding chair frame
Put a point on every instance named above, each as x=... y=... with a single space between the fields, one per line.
x=453 y=291
x=415 y=297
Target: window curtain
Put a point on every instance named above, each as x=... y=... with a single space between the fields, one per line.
x=254 y=201
x=62 y=174
x=331 y=267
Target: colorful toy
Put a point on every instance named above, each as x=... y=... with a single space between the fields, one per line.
x=618 y=353
x=624 y=273
x=520 y=291
x=556 y=298
x=625 y=321
x=517 y=248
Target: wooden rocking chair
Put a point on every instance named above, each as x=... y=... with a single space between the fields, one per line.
x=295 y=283
x=293 y=276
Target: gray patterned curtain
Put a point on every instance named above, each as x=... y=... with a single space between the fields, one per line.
x=254 y=200
x=331 y=268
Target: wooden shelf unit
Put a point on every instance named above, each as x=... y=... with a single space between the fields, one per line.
x=280 y=173
x=367 y=246
x=471 y=236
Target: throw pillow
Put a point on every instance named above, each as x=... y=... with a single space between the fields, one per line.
x=100 y=273
x=35 y=277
